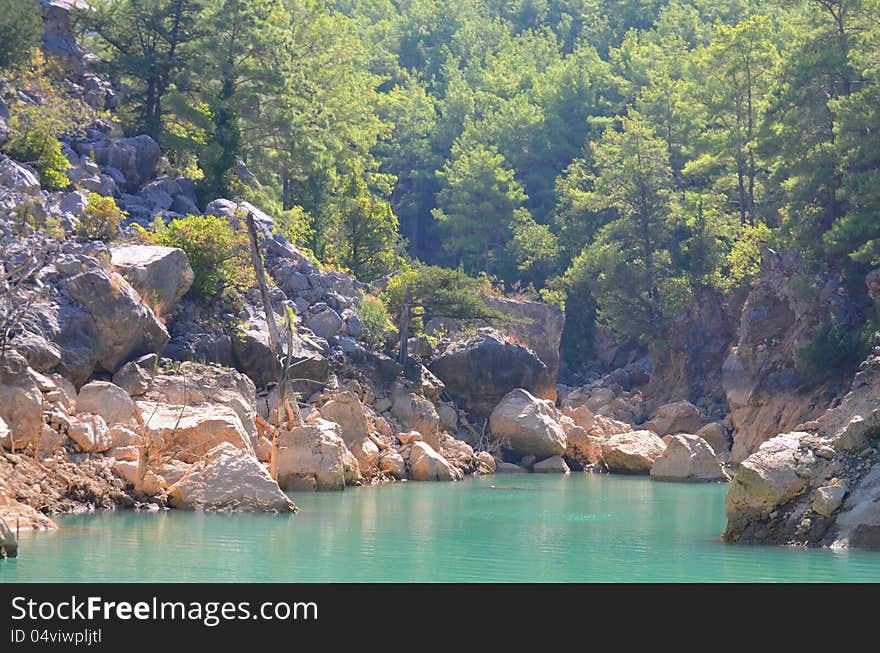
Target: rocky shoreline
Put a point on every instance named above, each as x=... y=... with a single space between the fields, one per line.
x=122 y=389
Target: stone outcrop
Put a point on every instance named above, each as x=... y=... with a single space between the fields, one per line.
x=677 y=417
x=687 y=458
x=189 y=432
x=818 y=485
x=107 y=400
x=551 y=465
x=229 y=479
x=480 y=372
x=538 y=326
x=317 y=453
x=527 y=425
x=347 y=411
x=160 y=275
x=124 y=327
x=21 y=403
x=425 y=464
x=632 y=453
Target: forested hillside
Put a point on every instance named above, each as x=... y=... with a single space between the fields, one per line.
x=613 y=157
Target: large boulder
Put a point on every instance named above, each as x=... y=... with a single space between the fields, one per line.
x=316 y=452
x=425 y=464
x=254 y=356
x=414 y=412
x=346 y=410
x=479 y=373
x=189 y=432
x=124 y=326
x=229 y=479
x=632 y=453
x=325 y=323
x=21 y=411
x=527 y=425
x=551 y=465
x=135 y=158
x=677 y=417
x=583 y=449
x=367 y=454
x=59 y=38
x=21 y=401
x=687 y=458
x=17 y=178
x=107 y=400
x=539 y=327
x=766 y=480
x=161 y=275
x=91 y=433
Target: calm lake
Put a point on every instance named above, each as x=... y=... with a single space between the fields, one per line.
x=536 y=528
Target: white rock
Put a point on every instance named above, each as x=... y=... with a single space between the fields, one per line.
x=229 y=479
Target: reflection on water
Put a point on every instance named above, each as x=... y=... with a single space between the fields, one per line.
x=537 y=528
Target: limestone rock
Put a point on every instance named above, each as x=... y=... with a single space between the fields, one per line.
x=21 y=411
x=133 y=378
x=346 y=410
x=367 y=454
x=90 y=432
x=189 y=432
x=580 y=415
x=482 y=371
x=633 y=453
x=765 y=480
x=527 y=425
x=393 y=464
x=551 y=465
x=161 y=275
x=107 y=400
x=229 y=479
x=583 y=449
x=716 y=435
x=509 y=468
x=150 y=485
x=414 y=412
x=125 y=327
x=316 y=451
x=485 y=463
x=677 y=417
x=687 y=458
x=425 y=464
x=828 y=498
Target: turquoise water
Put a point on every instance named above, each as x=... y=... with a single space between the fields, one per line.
x=537 y=528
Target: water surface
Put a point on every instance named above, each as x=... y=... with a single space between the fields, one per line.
x=537 y=528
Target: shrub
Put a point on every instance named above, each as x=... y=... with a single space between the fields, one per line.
x=100 y=219
x=744 y=259
x=295 y=225
x=21 y=26
x=376 y=325
x=33 y=142
x=25 y=222
x=217 y=253
x=831 y=352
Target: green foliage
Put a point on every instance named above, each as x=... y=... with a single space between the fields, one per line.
x=295 y=225
x=36 y=145
x=477 y=202
x=432 y=291
x=744 y=259
x=217 y=252
x=832 y=350
x=24 y=222
x=21 y=26
x=364 y=233
x=376 y=325
x=100 y=219
x=534 y=247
